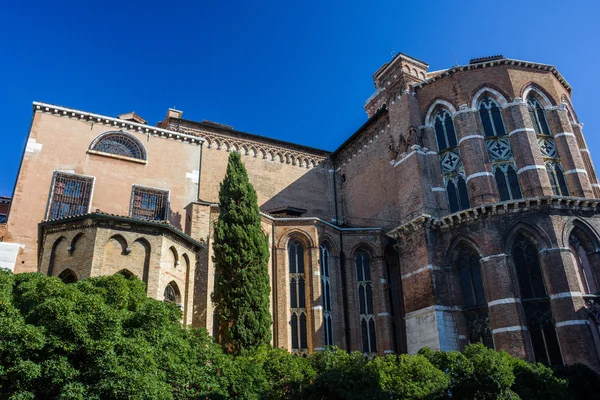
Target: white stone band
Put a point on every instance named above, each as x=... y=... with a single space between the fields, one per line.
x=438 y=189
x=470 y=137
x=508 y=300
x=488 y=258
x=527 y=168
x=564 y=134
x=520 y=130
x=418 y=271
x=576 y=171
x=565 y=294
x=573 y=322
x=478 y=174
x=510 y=329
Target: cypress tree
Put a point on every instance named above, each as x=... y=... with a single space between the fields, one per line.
x=241 y=254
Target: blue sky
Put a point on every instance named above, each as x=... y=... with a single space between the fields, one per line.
x=296 y=71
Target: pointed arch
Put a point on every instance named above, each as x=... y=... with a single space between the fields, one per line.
x=126 y=273
x=171 y=293
x=121 y=241
x=532 y=89
x=68 y=276
x=460 y=241
x=175 y=256
x=435 y=106
x=538 y=237
x=61 y=240
x=487 y=91
x=145 y=245
x=76 y=239
x=298 y=234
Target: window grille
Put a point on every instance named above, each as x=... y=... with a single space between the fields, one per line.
x=326 y=288
x=170 y=295
x=70 y=195
x=365 y=302
x=119 y=143
x=444 y=130
x=148 y=203
x=298 y=327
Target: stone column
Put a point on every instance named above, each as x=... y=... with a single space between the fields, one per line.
x=316 y=334
x=566 y=145
x=353 y=310
x=587 y=158
x=475 y=159
x=434 y=191
x=568 y=307
x=528 y=158
x=281 y=301
x=507 y=317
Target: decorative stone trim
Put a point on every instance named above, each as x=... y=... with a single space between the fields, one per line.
x=509 y=329
x=426 y=310
x=576 y=171
x=478 y=174
x=426 y=221
x=384 y=314
x=438 y=189
x=423 y=151
x=468 y=137
x=572 y=322
x=422 y=269
x=488 y=258
x=520 y=130
x=530 y=167
x=114 y=122
x=552 y=249
x=564 y=134
x=508 y=300
x=564 y=295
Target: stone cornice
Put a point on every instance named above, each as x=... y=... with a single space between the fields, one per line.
x=114 y=122
x=504 y=61
x=426 y=221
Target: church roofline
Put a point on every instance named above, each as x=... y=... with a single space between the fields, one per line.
x=491 y=63
x=137 y=221
x=222 y=129
x=115 y=122
x=357 y=133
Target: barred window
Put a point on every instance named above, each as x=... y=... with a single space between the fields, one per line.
x=119 y=143
x=298 y=325
x=70 y=195
x=148 y=203
x=326 y=289
x=491 y=118
x=365 y=302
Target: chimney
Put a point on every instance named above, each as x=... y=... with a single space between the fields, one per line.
x=173 y=113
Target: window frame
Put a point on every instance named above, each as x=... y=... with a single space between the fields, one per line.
x=103 y=136
x=150 y=189
x=325 y=264
x=481 y=103
x=299 y=332
x=51 y=195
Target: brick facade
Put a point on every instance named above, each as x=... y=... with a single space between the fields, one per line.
x=465 y=209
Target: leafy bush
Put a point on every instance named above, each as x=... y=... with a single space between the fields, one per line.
x=101 y=338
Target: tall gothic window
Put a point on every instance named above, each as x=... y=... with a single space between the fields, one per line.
x=297 y=295
x=365 y=302
x=491 y=118
x=119 y=143
x=475 y=311
x=68 y=276
x=585 y=273
x=326 y=290
x=557 y=178
x=450 y=161
x=507 y=181
x=70 y=195
x=547 y=146
x=171 y=293
x=536 y=303
x=444 y=130
x=538 y=116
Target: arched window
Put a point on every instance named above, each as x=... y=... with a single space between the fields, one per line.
x=557 y=179
x=458 y=196
x=326 y=290
x=491 y=118
x=119 y=143
x=579 y=252
x=537 y=115
x=67 y=276
x=365 y=301
x=536 y=303
x=171 y=294
x=475 y=311
x=507 y=182
x=444 y=130
x=297 y=295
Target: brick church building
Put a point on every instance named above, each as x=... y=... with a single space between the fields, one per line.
x=466 y=209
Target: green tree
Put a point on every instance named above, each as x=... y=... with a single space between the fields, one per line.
x=241 y=253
